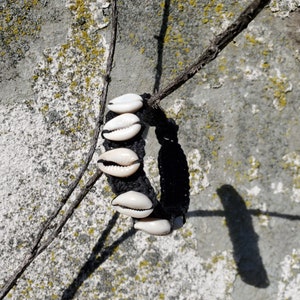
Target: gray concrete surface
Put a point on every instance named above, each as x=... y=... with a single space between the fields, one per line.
x=239 y=127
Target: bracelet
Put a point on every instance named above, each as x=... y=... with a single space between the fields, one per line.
x=126 y=120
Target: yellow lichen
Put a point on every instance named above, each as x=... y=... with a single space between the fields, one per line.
x=278 y=87
x=211 y=137
x=180 y=7
x=219 y=8
x=265 y=65
x=248 y=203
x=292 y=163
x=143 y=264
x=161 y=296
x=296 y=181
x=45 y=108
x=251 y=39
x=193 y=3
x=186 y=233
x=254 y=166
x=91 y=231
x=76 y=72
x=52 y=256
x=142 y=50
x=57 y=95
x=216 y=258
x=265 y=52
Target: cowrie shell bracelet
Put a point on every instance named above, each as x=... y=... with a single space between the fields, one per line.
x=122 y=162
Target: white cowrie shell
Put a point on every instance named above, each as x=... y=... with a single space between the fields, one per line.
x=120 y=162
x=122 y=127
x=133 y=204
x=154 y=226
x=127 y=103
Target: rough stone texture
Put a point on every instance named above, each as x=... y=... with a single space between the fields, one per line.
x=239 y=127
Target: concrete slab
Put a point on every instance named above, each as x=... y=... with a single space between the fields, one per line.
x=238 y=125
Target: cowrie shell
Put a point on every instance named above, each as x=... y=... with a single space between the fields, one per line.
x=154 y=226
x=120 y=162
x=133 y=204
x=127 y=103
x=122 y=127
